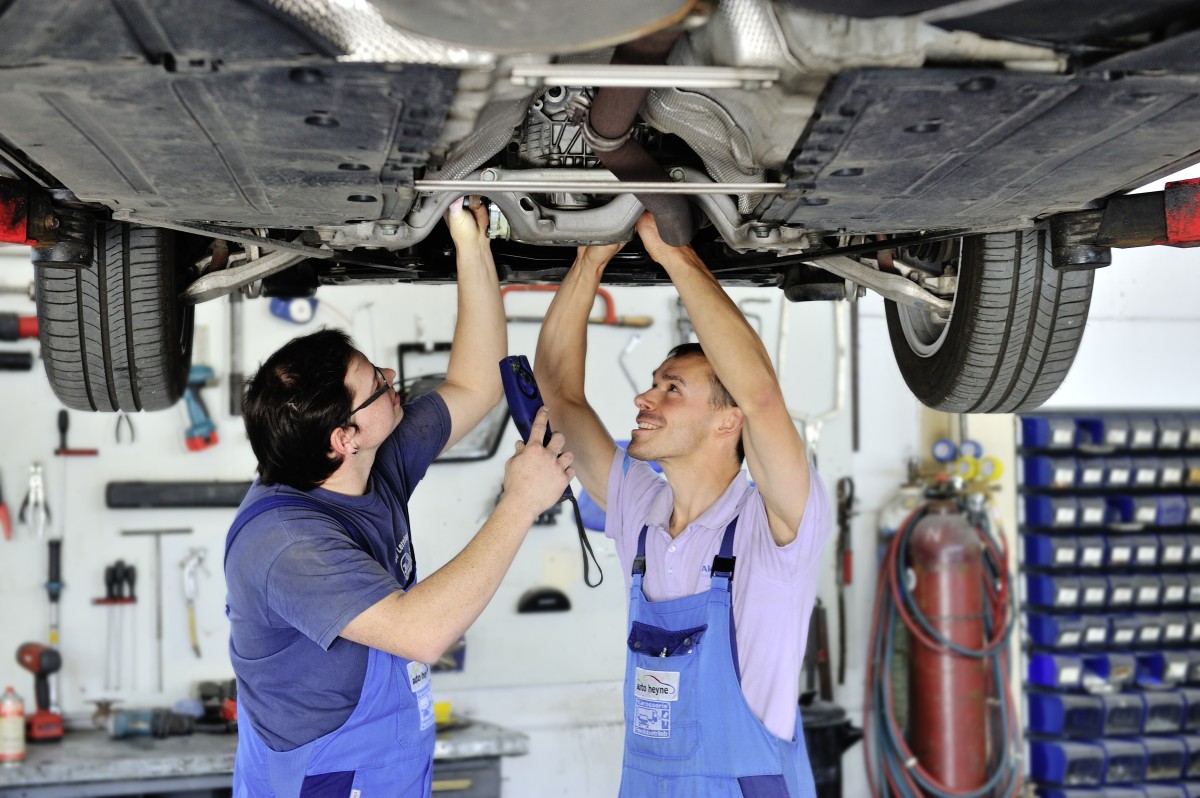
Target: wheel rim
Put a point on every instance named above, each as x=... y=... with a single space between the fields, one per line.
x=925 y=331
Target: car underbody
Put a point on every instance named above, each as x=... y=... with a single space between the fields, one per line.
x=926 y=151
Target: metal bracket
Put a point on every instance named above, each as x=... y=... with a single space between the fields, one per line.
x=226 y=281
x=889 y=286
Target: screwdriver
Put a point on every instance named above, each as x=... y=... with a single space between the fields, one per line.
x=64 y=423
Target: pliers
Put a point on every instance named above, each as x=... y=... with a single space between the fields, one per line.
x=35 y=513
x=123 y=420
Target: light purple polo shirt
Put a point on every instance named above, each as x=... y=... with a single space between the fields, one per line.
x=774 y=587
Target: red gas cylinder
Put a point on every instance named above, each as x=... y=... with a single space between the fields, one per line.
x=948 y=717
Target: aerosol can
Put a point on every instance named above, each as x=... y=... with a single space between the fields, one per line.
x=12 y=728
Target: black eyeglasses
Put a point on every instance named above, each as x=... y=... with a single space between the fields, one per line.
x=378 y=393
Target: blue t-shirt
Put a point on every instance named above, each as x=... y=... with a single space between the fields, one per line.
x=295 y=578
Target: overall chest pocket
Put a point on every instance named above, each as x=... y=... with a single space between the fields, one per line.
x=652 y=641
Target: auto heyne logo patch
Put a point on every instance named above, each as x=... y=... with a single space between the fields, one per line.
x=657 y=685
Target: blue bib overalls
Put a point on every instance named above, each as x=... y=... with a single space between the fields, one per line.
x=383 y=750
x=688 y=730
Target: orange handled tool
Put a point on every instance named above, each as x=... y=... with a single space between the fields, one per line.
x=609 y=318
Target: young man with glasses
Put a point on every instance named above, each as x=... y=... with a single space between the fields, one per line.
x=329 y=629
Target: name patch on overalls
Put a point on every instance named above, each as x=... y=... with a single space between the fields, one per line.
x=418 y=680
x=653 y=690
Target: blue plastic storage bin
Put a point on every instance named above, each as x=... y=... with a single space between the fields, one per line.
x=1191 y=435
x=1150 y=630
x=1171 y=432
x=1055 y=671
x=1175 y=628
x=1050 y=551
x=1105 y=431
x=1173 y=550
x=1054 y=631
x=1174 y=587
x=1109 y=671
x=1164 y=712
x=1093 y=592
x=1049 y=472
x=1147 y=591
x=1124 y=761
x=1165 y=757
x=1090 y=472
x=1193 y=674
x=1090 y=551
x=1172 y=510
x=1124 y=714
x=1118 y=472
x=1145 y=551
x=1191 y=765
x=1123 y=630
x=1171 y=472
x=1143 y=432
x=1059 y=591
x=1079 y=716
x=1118 y=551
x=1095 y=631
x=1092 y=512
x=1066 y=763
x=1055 y=512
x=1191 y=708
x=1048 y=432
x=1145 y=472
x=1121 y=590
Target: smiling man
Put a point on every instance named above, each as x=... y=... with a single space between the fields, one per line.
x=329 y=628
x=722 y=572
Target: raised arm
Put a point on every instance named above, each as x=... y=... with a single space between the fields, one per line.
x=775 y=452
x=472 y=385
x=559 y=369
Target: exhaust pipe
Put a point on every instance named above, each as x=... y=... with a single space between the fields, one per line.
x=610 y=122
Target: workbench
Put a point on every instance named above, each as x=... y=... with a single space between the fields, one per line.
x=89 y=764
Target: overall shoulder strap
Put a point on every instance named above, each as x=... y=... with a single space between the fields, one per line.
x=255 y=509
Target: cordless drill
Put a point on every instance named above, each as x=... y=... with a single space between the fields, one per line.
x=40 y=660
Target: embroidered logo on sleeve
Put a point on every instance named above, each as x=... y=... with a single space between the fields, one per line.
x=404 y=558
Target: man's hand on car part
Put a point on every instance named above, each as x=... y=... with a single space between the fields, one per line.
x=596 y=256
x=468 y=227
x=536 y=476
x=656 y=248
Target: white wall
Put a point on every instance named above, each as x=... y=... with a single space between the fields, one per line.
x=556 y=677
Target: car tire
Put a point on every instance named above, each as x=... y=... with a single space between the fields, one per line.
x=115 y=336
x=1013 y=331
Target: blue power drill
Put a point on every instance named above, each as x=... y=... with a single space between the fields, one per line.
x=201 y=431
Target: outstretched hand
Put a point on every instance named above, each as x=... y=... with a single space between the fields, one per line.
x=597 y=255
x=656 y=248
x=468 y=228
x=536 y=476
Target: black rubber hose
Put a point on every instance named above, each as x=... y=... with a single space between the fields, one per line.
x=612 y=114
